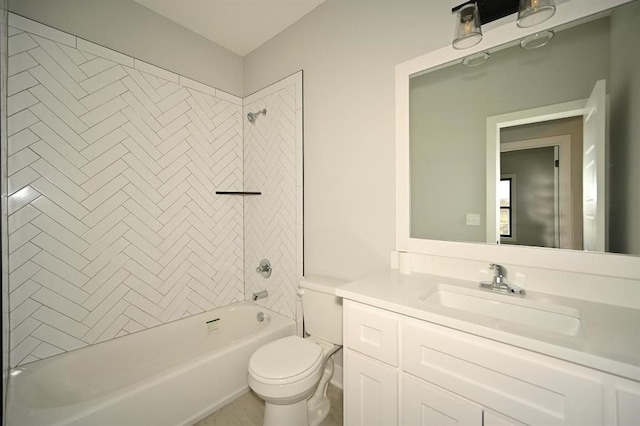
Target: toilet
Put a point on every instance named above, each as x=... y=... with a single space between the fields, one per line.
x=291 y=374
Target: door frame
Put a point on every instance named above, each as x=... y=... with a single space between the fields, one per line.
x=495 y=124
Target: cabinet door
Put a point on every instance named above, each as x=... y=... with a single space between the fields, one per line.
x=370 y=391
x=532 y=388
x=628 y=403
x=492 y=418
x=426 y=404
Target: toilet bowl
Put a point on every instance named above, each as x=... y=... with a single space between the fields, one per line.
x=286 y=371
x=292 y=374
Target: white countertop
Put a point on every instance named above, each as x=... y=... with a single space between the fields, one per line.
x=609 y=339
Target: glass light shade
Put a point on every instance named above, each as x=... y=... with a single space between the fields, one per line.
x=475 y=59
x=468 y=31
x=535 y=41
x=534 y=12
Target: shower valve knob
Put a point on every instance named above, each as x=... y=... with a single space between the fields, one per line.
x=264 y=268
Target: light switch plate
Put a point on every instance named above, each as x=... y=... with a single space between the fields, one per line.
x=473 y=219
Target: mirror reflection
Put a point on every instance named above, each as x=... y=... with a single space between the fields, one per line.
x=534 y=147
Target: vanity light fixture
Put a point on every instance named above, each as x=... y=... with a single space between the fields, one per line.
x=534 y=12
x=470 y=17
x=468 y=31
x=534 y=41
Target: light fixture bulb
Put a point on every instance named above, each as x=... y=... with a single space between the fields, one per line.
x=534 y=12
x=468 y=32
x=468 y=26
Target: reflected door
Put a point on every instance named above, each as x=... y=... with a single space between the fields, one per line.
x=594 y=170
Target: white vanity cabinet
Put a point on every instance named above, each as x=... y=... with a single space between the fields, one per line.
x=371 y=366
x=400 y=370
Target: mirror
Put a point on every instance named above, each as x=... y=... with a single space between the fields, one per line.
x=531 y=124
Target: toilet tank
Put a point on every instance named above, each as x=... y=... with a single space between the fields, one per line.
x=321 y=308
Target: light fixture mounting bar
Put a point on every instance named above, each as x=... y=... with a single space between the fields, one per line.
x=492 y=10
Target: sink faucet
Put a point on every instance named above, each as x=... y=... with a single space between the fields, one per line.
x=500 y=282
x=499 y=277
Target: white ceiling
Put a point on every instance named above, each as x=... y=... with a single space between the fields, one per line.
x=238 y=25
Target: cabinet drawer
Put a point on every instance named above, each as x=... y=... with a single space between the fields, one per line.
x=532 y=388
x=372 y=331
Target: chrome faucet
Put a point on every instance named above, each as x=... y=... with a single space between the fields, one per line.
x=500 y=282
x=499 y=278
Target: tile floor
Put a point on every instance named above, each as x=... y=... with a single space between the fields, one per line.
x=249 y=409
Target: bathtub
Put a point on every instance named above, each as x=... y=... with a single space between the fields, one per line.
x=174 y=374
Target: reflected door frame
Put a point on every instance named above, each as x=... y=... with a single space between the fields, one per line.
x=563 y=198
x=497 y=122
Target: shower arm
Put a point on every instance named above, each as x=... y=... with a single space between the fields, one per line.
x=252 y=116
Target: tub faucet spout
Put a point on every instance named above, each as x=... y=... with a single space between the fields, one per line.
x=260 y=295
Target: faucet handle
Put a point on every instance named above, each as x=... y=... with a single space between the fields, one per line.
x=500 y=276
x=500 y=270
x=264 y=268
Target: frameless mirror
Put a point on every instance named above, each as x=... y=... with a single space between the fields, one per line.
x=535 y=147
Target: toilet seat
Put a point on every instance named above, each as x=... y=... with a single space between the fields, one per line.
x=285 y=361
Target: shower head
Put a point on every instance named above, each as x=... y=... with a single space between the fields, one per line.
x=253 y=116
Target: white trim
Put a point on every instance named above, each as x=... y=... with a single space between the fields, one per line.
x=105 y=52
x=498 y=122
x=157 y=71
x=196 y=85
x=604 y=264
x=34 y=27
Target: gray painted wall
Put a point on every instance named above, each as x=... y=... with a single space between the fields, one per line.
x=534 y=218
x=624 y=187
x=449 y=108
x=134 y=30
x=349 y=50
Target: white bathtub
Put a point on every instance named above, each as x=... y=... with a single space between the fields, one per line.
x=174 y=374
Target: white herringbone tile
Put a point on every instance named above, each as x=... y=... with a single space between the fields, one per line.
x=270 y=220
x=114 y=225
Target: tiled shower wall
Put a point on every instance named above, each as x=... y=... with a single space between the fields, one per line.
x=113 y=223
x=3 y=221
x=273 y=221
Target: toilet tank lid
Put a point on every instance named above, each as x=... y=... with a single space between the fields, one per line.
x=322 y=283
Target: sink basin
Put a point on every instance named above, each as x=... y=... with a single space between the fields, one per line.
x=553 y=318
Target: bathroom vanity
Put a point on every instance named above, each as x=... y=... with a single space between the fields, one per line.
x=423 y=349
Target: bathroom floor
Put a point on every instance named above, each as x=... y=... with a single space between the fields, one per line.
x=249 y=409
